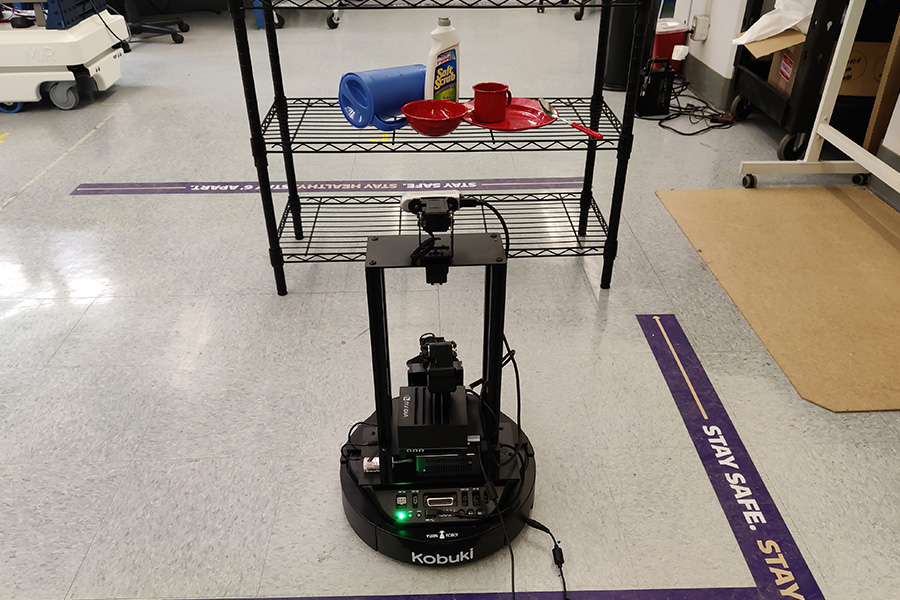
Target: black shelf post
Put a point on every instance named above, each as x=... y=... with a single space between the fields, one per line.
x=492 y=352
x=595 y=111
x=381 y=365
x=281 y=114
x=257 y=146
x=641 y=25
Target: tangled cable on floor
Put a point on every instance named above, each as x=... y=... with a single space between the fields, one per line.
x=696 y=109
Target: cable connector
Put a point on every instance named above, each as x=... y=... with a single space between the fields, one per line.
x=492 y=491
x=558 y=555
x=724 y=118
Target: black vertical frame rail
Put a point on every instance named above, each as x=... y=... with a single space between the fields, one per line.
x=596 y=107
x=281 y=113
x=257 y=146
x=626 y=142
x=376 y=296
x=492 y=354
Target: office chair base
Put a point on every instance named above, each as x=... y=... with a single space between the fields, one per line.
x=161 y=28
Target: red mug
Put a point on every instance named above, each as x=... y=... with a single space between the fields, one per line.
x=491 y=100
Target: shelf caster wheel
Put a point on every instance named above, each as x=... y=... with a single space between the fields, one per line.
x=64 y=95
x=279 y=21
x=333 y=21
x=177 y=38
x=749 y=181
x=861 y=179
x=740 y=108
x=184 y=27
x=791 y=147
x=11 y=107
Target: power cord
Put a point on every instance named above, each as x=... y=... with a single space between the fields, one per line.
x=349 y=443
x=500 y=218
x=558 y=559
x=126 y=47
x=697 y=110
x=492 y=494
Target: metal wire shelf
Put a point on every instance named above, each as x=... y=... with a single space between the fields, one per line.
x=318 y=125
x=337 y=228
x=370 y=4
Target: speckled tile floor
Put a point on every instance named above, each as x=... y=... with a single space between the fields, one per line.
x=170 y=427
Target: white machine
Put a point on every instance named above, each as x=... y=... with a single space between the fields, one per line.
x=61 y=63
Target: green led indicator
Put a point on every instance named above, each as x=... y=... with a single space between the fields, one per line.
x=401 y=515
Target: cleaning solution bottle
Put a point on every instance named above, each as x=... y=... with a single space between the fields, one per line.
x=442 y=67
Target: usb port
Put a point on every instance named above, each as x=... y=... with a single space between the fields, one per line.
x=440 y=501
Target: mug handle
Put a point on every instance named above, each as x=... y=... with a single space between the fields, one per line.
x=508 y=97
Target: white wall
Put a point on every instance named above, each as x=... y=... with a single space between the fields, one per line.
x=725 y=18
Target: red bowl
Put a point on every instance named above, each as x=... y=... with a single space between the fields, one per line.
x=434 y=117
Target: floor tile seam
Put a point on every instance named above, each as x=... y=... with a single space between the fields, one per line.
x=890 y=424
x=147 y=422
x=265 y=558
x=192 y=334
x=818 y=443
x=30 y=464
x=47 y=298
x=16 y=194
x=628 y=551
x=69 y=333
x=146 y=460
x=623 y=220
x=100 y=524
x=106 y=296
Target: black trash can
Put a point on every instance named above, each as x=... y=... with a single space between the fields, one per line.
x=618 y=45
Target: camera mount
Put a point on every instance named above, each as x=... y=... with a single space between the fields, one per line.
x=437 y=474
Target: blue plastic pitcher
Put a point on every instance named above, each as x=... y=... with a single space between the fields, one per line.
x=376 y=97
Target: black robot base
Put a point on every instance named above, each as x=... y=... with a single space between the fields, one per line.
x=442 y=522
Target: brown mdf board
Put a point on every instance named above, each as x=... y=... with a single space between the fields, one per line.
x=816 y=273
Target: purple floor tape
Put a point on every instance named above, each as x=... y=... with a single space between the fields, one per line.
x=683 y=594
x=773 y=558
x=352 y=187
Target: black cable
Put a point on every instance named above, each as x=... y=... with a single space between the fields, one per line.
x=512 y=358
x=492 y=493
x=557 y=552
x=350 y=443
x=424 y=248
x=125 y=46
x=499 y=218
x=695 y=113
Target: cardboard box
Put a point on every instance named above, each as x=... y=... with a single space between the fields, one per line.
x=861 y=76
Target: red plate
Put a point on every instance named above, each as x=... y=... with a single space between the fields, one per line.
x=522 y=113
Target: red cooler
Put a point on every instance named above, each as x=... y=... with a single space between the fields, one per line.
x=669 y=33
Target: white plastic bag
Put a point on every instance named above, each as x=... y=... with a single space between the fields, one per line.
x=787 y=14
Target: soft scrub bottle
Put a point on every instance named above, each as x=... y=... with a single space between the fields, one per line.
x=442 y=67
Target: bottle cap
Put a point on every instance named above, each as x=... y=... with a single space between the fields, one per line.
x=443 y=21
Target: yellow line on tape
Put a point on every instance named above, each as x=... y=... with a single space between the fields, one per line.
x=681 y=366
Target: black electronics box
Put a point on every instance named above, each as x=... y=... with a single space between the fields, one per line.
x=655 y=94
